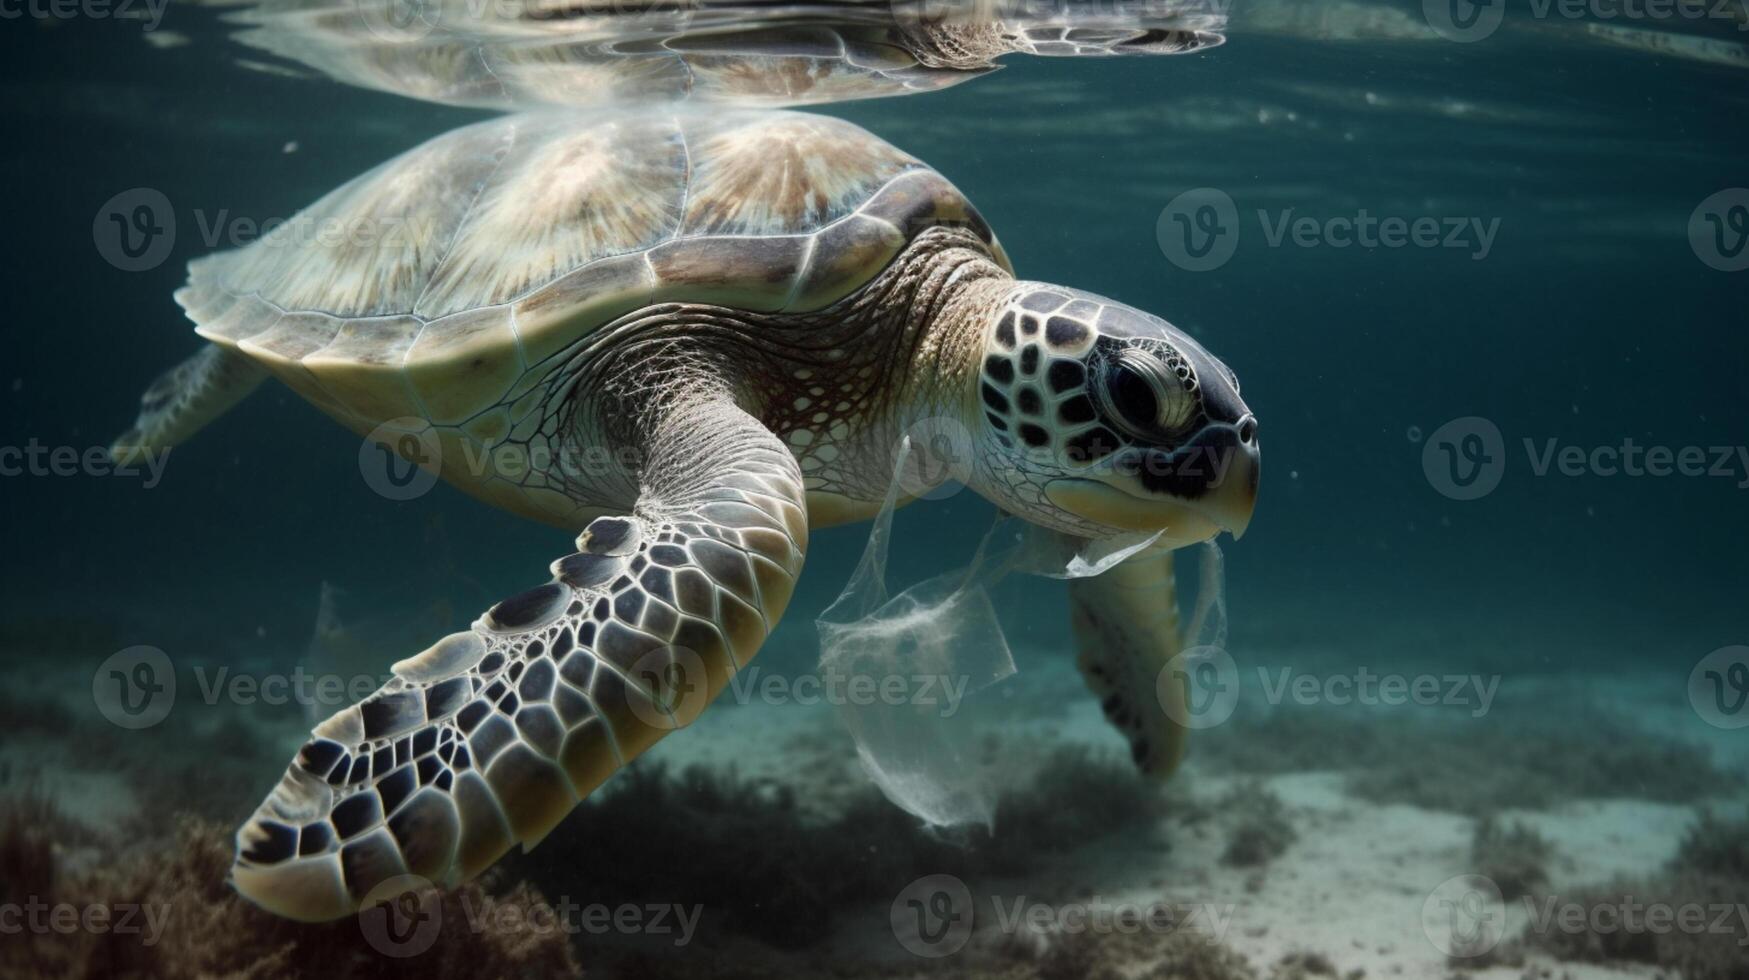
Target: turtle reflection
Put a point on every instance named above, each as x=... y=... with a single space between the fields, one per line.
x=528 y=53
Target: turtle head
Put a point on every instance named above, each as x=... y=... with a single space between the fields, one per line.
x=1098 y=419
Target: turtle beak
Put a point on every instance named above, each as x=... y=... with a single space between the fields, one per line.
x=1190 y=494
x=1231 y=503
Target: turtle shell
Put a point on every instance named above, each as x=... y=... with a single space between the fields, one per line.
x=431 y=285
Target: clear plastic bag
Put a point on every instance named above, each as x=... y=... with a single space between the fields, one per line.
x=941 y=635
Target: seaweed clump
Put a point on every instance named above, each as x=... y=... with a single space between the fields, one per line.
x=1698 y=931
x=1183 y=954
x=1715 y=846
x=28 y=863
x=740 y=848
x=1173 y=954
x=182 y=920
x=1261 y=831
x=762 y=865
x=1306 y=965
x=1514 y=857
x=1178 y=955
x=1076 y=796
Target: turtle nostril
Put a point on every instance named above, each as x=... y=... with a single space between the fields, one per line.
x=1248 y=430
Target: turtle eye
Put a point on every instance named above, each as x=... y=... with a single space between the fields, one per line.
x=1145 y=398
x=1132 y=397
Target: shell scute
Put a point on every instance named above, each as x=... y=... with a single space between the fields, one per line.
x=361 y=368
x=293 y=337
x=552 y=319
x=783 y=174
x=567 y=197
x=841 y=259
x=368 y=248
x=741 y=273
x=229 y=318
x=924 y=199
x=457 y=357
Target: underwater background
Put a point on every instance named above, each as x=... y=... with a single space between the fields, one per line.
x=1594 y=297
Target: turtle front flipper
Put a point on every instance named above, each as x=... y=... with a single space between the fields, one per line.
x=182 y=400
x=491 y=736
x=1126 y=629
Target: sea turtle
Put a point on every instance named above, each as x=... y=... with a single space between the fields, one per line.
x=686 y=340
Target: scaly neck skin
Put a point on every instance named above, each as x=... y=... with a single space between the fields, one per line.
x=840 y=386
x=914 y=343
x=940 y=339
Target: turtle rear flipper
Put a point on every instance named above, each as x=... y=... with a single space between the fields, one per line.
x=185 y=398
x=493 y=735
x=1126 y=629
